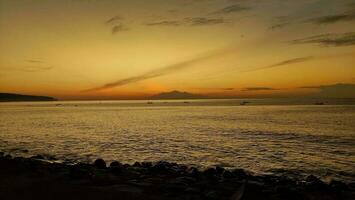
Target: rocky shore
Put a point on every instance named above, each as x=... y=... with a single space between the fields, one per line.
x=35 y=178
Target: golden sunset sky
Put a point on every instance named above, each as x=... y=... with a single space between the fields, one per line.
x=126 y=49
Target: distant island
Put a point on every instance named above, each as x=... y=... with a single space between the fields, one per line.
x=177 y=95
x=6 y=97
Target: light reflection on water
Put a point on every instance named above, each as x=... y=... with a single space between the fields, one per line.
x=263 y=138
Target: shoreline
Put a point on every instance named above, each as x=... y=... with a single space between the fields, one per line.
x=35 y=178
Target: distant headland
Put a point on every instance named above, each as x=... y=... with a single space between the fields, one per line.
x=7 y=97
x=177 y=95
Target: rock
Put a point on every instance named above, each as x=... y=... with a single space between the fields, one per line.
x=313 y=179
x=193 y=171
x=211 y=195
x=1 y=154
x=312 y=182
x=192 y=190
x=338 y=186
x=116 y=164
x=137 y=164
x=228 y=174
x=100 y=163
x=240 y=173
x=161 y=166
x=147 y=164
x=37 y=157
x=210 y=172
x=219 y=170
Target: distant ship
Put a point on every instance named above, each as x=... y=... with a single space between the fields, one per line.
x=244 y=102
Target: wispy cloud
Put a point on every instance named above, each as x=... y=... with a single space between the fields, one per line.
x=164 y=23
x=118 y=28
x=195 y=21
x=258 y=89
x=202 y=21
x=344 y=39
x=283 y=63
x=162 y=71
x=35 y=68
x=333 y=19
x=232 y=9
x=34 y=61
x=114 y=19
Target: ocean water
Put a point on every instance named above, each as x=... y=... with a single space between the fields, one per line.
x=260 y=137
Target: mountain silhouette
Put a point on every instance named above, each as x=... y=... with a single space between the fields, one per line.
x=177 y=95
x=20 y=97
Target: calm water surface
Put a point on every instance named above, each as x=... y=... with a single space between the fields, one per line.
x=261 y=138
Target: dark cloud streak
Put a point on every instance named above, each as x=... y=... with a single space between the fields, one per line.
x=258 y=89
x=236 y=8
x=161 y=71
x=283 y=63
x=344 y=39
x=118 y=28
x=164 y=23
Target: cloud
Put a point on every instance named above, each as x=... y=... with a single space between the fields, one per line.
x=196 y=21
x=114 y=19
x=258 y=89
x=35 y=68
x=232 y=9
x=343 y=39
x=333 y=19
x=118 y=28
x=309 y=87
x=279 y=26
x=339 y=90
x=164 y=23
x=34 y=61
x=283 y=63
x=202 y=21
x=162 y=71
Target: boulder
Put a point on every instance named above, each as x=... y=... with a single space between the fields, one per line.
x=116 y=164
x=100 y=163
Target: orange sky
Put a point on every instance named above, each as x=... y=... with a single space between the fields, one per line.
x=90 y=49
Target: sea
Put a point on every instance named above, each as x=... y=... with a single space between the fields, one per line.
x=296 y=137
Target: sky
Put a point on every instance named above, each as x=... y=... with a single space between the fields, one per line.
x=132 y=49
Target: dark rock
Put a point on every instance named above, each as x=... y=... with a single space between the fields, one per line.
x=1 y=154
x=8 y=156
x=240 y=173
x=314 y=183
x=183 y=167
x=116 y=164
x=193 y=171
x=228 y=174
x=210 y=172
x=100 y=163
x=338 y=186
x=126 y=165
x=211 y=195
x=147 y=164
x=192 y=190
x=38 y=157
x=219 y=170
x=137 y=164
x=161 y=166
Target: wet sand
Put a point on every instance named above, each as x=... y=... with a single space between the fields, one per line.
x=35 y=178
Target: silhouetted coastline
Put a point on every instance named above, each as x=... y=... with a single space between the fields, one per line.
x=36 y=178
x=9 y=97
